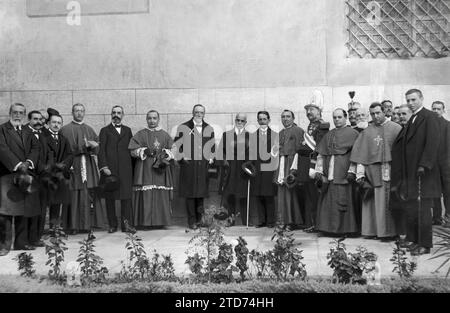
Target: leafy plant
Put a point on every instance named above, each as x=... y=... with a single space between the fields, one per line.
x=138 y=263
x=161 y=267
x=91 y=267
x=284 y=261
x=402 y=267
x=55 y=253
x=221 y=268
x=242 y=252
x=25 y=264
x=444 y=248
x=348 y=268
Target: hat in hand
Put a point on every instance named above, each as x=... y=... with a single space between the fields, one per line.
x=249 y=169
x=109 y=183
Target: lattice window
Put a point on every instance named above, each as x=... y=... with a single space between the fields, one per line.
x=398 y=28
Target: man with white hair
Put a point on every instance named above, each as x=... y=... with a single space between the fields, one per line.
x=307 y=157
x=362 y=119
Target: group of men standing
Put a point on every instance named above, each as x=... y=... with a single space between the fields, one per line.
x=380 y=179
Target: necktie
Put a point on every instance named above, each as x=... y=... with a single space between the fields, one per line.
x=117 y=126
x=19 y=131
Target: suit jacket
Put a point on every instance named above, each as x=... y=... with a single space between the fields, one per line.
x=193 y=179
x=15 y=148
x=262 y=184
x=43 y=151
x=420 y=148
x=115 y=155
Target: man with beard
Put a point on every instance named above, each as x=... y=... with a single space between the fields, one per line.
x=289 y=212
x=362 y=119
x=352 y=110
x=19 y=153
x=307 y=156
x=114 y=159
x=233 y=149
x=37 y=222
x=388 y=109
x=262 y=188
x=372 y=154
x=195 y=149
x=420 y=178
x=59 y=160
x=438 y=107
x=85 y=176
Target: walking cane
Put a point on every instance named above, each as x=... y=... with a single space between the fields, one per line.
x=248 y=200
x=419 y=209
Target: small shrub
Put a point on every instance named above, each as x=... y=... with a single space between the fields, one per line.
x=402 y=267
x=91 y=267
x=161 y=267
x=221 y=268
x=55 y=253
x=25 y=264
x=242 y=252
x=444 y=248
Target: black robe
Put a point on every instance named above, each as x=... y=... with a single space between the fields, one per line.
x=115 y=155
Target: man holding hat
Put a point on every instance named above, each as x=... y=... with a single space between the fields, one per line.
x=307 y=157
x=114 y=159
x=19 y=153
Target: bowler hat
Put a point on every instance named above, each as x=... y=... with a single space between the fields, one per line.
x=249 y=168
x=109 y=183
x=23 y=183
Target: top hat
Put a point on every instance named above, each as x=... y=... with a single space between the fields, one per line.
x=160 y=160
x=51 y=112
x=249 y=168
x=109 y=183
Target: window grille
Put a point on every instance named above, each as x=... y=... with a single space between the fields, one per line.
x=398 y=28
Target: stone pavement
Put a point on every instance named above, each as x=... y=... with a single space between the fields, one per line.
x=174 y=240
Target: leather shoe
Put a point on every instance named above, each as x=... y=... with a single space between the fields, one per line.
x=39 y=243
x=112 y=230
x=25 y=247
x=4 y=252
x=420 y=251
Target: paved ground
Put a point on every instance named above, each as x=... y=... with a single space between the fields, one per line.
x=174 y=241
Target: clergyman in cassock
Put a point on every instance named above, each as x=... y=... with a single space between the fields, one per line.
x=152 y=180
x=85 y=175
x=336 y=211
x=19 y=153
x=290 y=140
x=233 y=150
x=37 y=222
x=372 y=154
x=438 y=107
x=420 y=173
x=307 y=156
x=195 y=148
x=262 y=188
x=114 y=159
x=59 y=160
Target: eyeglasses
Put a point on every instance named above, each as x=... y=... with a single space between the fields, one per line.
x=240 y=120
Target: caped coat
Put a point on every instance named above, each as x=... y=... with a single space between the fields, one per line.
x=194 y=150
x=421 y=147
x=262 y=184
x=115 y=155
x=15 y=148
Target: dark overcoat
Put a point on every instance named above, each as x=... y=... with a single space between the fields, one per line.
x=58 y=151
x=194 y=150
x=115 y=155
x=421 y=148
x=444 y=155
x=15 y=148
x=235 y=150
x=262 y=184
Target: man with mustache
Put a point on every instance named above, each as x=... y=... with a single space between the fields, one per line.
x=114 y=159
x=37 y=222
x=19 y=152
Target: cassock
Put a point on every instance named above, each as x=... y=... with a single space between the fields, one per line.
x=84 y=179
x=420 y=147
x=152 y=187
x=16 y=147
x=372 y=153
x=306 y=164
x=336 y=211
x=59 y=152
x=234 y=149
x=262 y=188
x=289 y=212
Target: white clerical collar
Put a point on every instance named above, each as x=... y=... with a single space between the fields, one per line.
x=289 y=126
x=238 y=131
x=264 y=128
x=418 y=110
x=154 y=129
x=79 y=123
x=385 y=122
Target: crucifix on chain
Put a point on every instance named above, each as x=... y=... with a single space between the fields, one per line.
x=378 y=140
